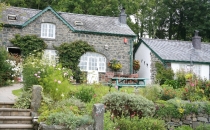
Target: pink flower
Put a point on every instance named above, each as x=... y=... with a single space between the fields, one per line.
x=116 y=87
x=35 y=74
x=38 y=76
x=192 y=84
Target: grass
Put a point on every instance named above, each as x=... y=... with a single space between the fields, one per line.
x=17 y=92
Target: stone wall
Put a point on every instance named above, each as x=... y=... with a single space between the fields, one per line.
x=154 y=59
x=116 y=47
x=192 y=120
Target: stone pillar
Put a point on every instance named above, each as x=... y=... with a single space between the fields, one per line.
x=98 y=116
x=36 y=99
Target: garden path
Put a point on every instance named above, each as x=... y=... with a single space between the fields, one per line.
x=6 y=92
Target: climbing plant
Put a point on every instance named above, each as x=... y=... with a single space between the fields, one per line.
x=70 y=53
x=29 y=44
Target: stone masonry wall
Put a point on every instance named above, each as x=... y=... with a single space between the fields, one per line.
x=192 y=120
x=154 y=59
x=117 y=48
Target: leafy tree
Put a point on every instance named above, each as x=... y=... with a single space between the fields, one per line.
x=29 y=44
x=70 y=53
x=35 y=4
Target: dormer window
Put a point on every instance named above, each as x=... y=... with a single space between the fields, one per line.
x=48 y=30
x=78 y=23
x=12 y=17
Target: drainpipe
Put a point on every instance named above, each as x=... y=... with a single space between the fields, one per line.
x=131 y=56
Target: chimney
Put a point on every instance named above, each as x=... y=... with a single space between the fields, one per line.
x=196 y=40
x=122 y=17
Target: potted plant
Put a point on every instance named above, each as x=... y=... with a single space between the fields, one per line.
x=115 y=65
x=136 y=65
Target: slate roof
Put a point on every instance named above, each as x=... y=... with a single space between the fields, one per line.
x=91 y=23
x=178 y=51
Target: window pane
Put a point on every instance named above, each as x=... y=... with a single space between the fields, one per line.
x=47 y=30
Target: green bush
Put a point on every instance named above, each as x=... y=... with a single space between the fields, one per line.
x=5 y=68
x=146 y=123
x=163 y=73
x=119 y=103
x=152 y=92
x=203 y=127
x=167 y=93
x=31 y=70
x=68 y=119
x=24 y=100
x=184 y=127
x=85 y=94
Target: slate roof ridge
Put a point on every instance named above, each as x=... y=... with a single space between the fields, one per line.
x=204 y=43
x=87 y=15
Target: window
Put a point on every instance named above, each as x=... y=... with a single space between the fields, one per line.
x=47 y=30
x=92 y=61
x=50 y=57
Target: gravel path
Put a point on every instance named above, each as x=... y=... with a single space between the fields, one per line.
x=6 y=92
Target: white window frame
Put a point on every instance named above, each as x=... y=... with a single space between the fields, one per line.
x=48 y=30
x=92 y=61
x=50 y=57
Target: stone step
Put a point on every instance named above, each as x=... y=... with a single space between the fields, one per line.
x=15 y=119
x=16 y=127
x=14 y=112
x=6 y=104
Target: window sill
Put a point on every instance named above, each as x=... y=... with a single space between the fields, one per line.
x=48 y=39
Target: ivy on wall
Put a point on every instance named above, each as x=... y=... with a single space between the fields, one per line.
x=29 y=44
x=70 y=53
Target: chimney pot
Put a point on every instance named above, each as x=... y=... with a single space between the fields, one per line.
x=196 y=40
x=122 y=17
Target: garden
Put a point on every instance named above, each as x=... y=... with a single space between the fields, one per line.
x=174 y=102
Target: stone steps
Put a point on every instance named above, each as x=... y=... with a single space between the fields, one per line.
x=16 y=127
x=13 y=118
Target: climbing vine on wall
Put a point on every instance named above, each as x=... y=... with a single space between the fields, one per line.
x=70 y=53
x=29 y=44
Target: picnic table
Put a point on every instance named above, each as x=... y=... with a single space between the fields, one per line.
x=125 y=81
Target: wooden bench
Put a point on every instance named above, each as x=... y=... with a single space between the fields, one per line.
x=121 y=82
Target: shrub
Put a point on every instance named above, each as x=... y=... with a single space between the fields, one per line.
x=146 y=123
x=5 y=68
x=55 y=81
x=184 y=127
x=152 y=92
x=68 y=119
x=119 y=103
x=203 y=127
x=28 y=44
x=24 y=100
x=163 y=73
x=166 y=109
x=31 y=70
x=85 y=94
x=168 y=93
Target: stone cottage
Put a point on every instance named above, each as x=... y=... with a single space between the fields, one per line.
x=191 y=56
x=110 y=36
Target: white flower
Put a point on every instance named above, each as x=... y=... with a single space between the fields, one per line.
x=62 y=95
x=59 y=81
